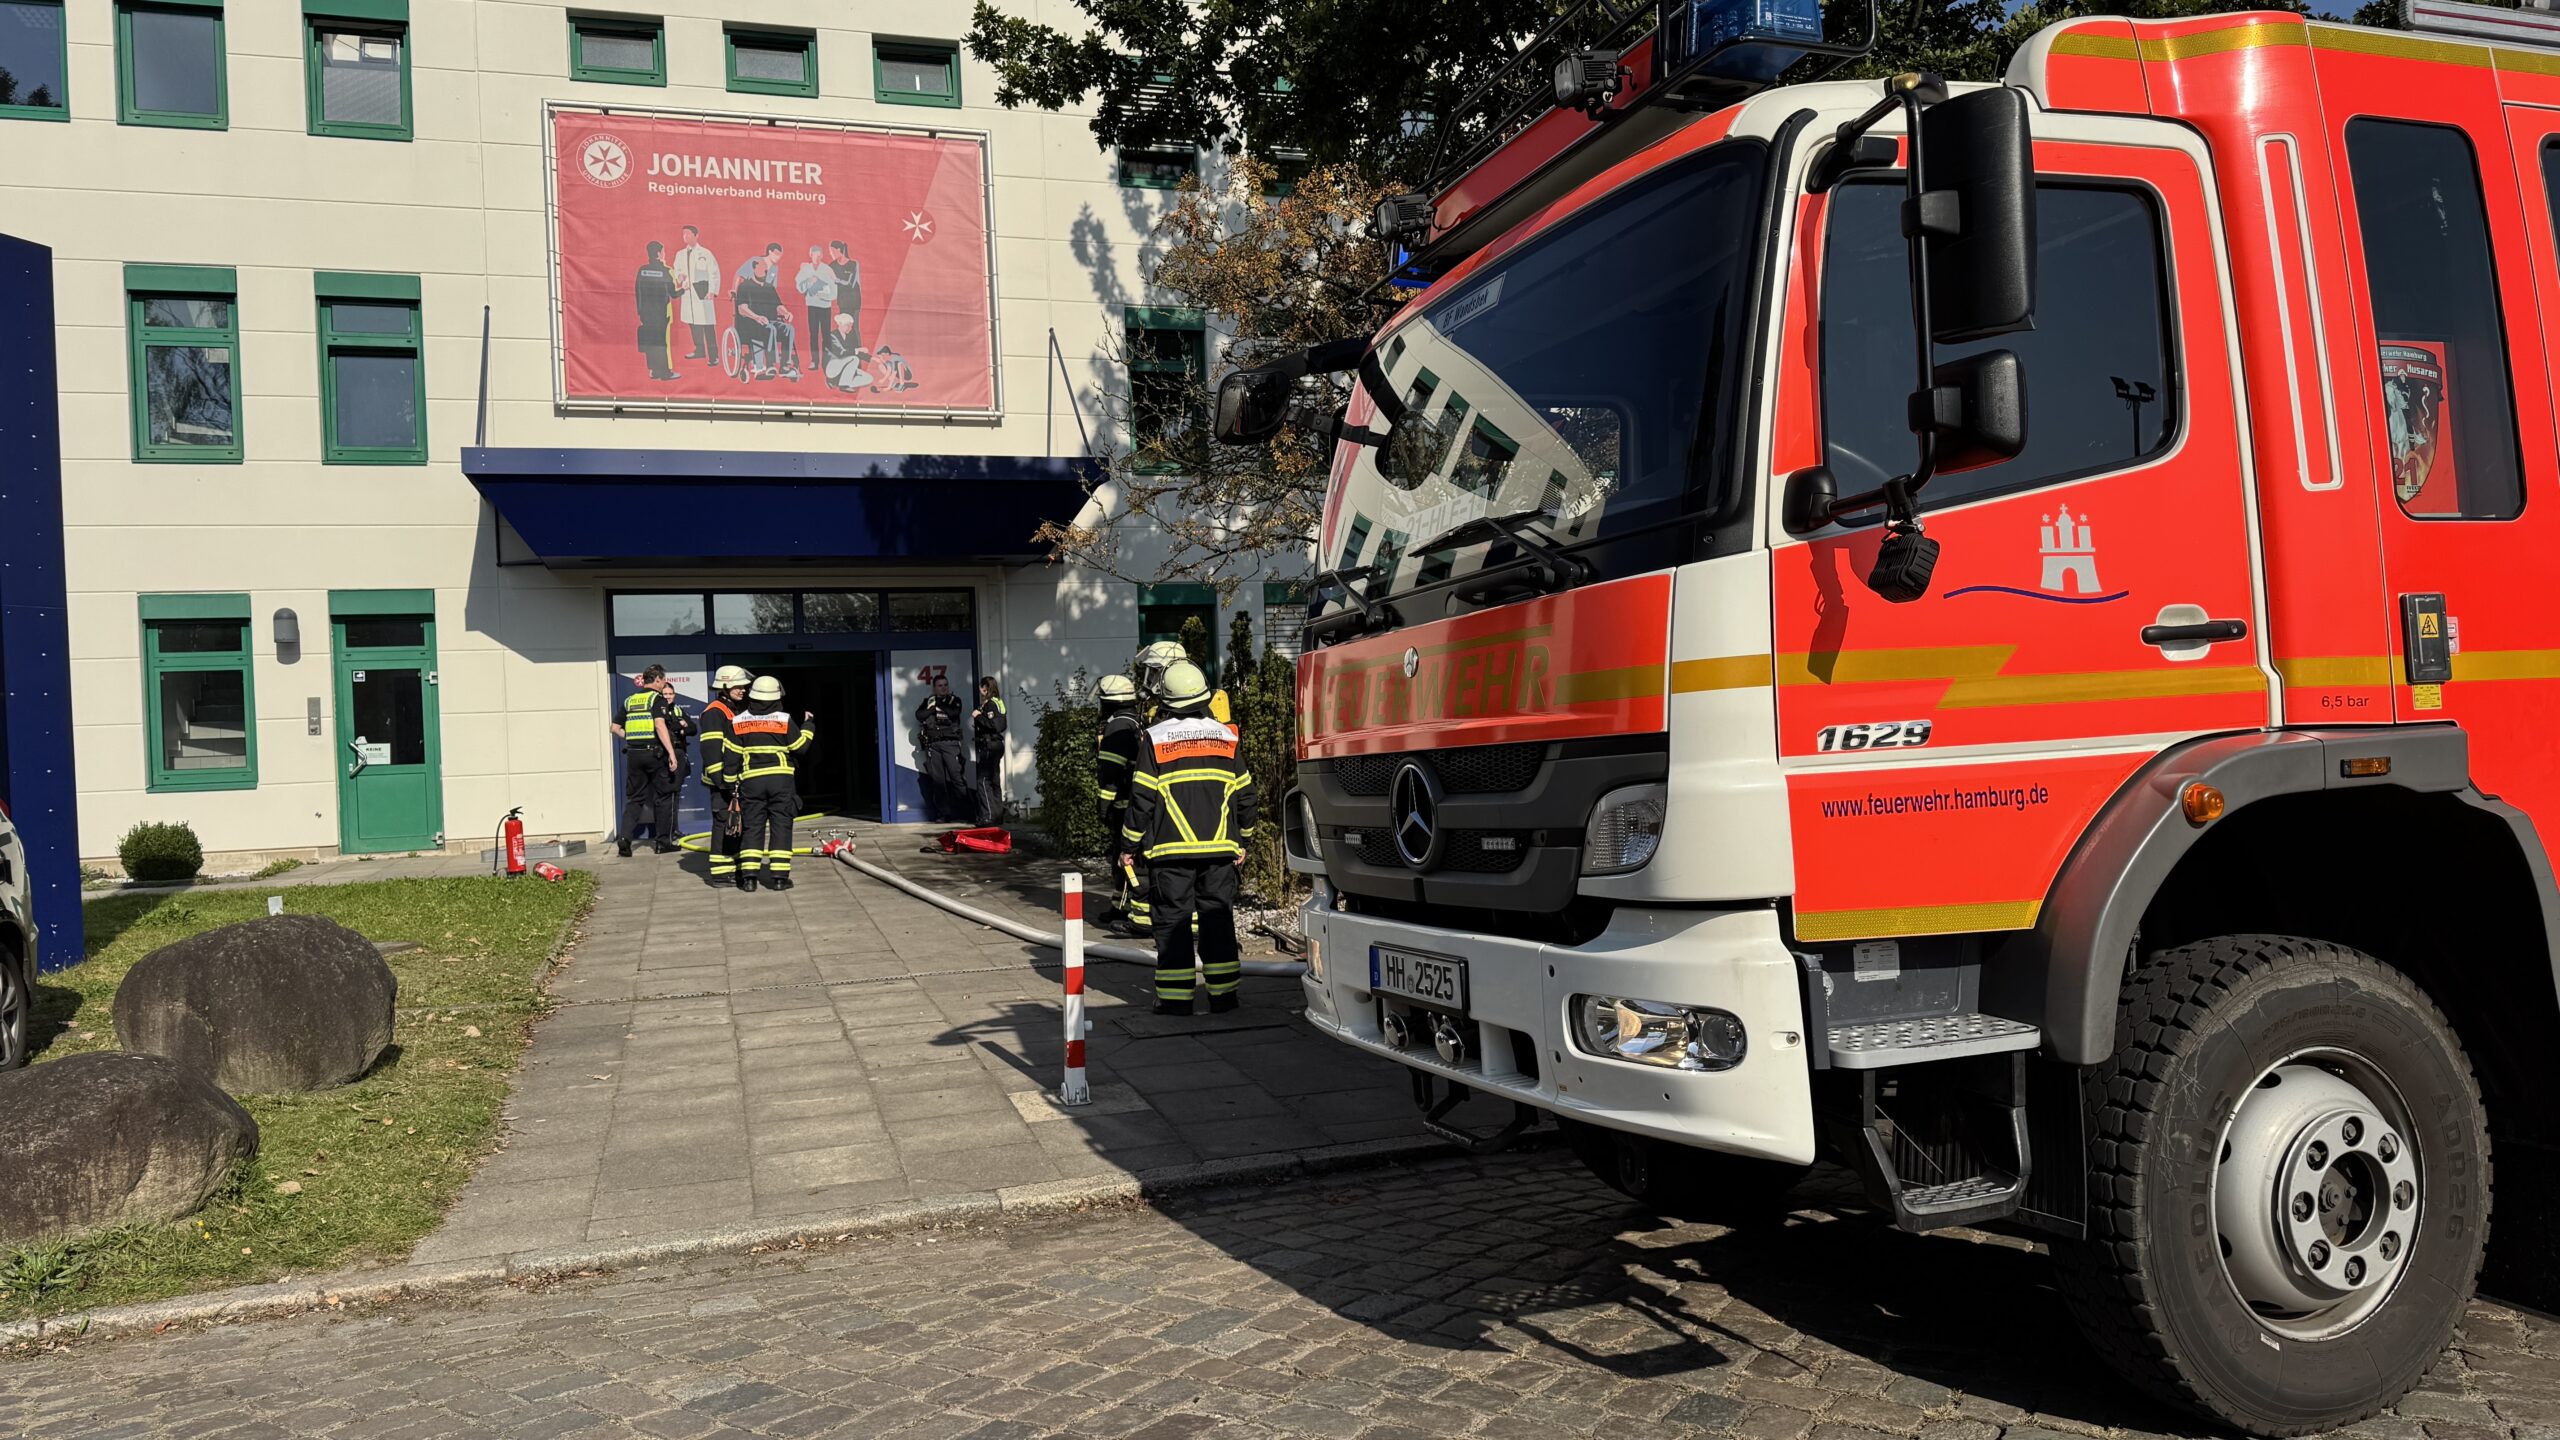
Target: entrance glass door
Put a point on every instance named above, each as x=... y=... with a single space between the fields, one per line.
x=390 y=750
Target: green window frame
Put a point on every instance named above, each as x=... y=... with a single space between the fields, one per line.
x=352 y=308
x=618 y=27
x=154 y=322
x=23 y=14
x=1287 y=169
x=183 y=645
x=129 y=107
x=369 y=23
x=916 y=52
x=1155 y=168
x=757 y=38
x=1167 y=349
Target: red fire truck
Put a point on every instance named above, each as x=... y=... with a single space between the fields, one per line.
x=2009 y=661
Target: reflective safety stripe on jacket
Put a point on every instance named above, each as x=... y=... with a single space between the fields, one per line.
x=765 y=742
x=640 y=717
x=1188 y=799
x=715 y=742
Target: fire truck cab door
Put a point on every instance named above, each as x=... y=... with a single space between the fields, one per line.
x=2096 y=599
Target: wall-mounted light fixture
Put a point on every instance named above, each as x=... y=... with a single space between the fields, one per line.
x=288 y=637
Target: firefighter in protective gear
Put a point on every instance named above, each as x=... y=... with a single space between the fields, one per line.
x=648 y=761
x=768 y=744
x=1191 y=802
x=729 y=695
x=1113 y=765
x=1153 y=663
x=940 y=765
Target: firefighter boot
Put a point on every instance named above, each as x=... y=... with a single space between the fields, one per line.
x=746 y=879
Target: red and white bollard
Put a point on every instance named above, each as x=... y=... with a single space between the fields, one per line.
x=1073 y=1090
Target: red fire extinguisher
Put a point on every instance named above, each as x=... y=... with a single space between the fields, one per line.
x=511 y=842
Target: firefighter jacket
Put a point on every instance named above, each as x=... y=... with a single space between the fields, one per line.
x=765 y=739
x=1116 y=758
x=715 y=744
x=641 y=711
x=1189 y=797
x=986 y=726
x=938 y=719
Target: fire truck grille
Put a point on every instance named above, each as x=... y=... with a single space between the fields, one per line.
x=1476 y=770
x=1466 y=852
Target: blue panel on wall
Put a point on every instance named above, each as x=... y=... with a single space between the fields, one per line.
x=576 y=507
x=35 y=647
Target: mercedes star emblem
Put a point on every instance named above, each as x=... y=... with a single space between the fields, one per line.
x=1413 y=805
x=1412 y=662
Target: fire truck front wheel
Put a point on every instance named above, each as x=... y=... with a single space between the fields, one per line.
x=1679 y=1182
x=2289 y=1187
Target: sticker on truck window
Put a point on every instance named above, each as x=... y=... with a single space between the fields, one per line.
x=1875 y=735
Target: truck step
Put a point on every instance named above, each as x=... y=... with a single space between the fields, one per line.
x=1991 y=1194
x=1881 y=1043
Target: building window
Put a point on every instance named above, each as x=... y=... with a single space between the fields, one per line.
x=198 y=693
x=1286 y=172
x=840 y=612
x=1284 y=616
x=2103 y=357
x=373 y=383
x=2441 y=340
x=766 y=612
x=928 y=611
x=169 y=65
x=658 y=615
x=772 y=62
x=184 y=339
x=905 y=73
x=618 y=49
x=1168 y=361
x=358 y=71
x=1157 y=169
x=35 y=65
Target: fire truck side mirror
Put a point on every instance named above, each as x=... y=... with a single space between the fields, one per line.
x=1253 y=404
x=1978 y=210
x=1976 y=408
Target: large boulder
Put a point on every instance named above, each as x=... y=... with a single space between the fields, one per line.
x=112 y=1138
x=290 y=1002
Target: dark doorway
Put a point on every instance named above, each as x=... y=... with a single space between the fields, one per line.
x=843 y=691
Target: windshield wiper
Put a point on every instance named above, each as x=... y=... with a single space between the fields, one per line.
x=1367 y=613
x=1554 y=569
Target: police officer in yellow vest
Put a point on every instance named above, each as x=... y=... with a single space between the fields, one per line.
x=1115 y=760
x=768 y=744
x=648 y=761
x=1191 y=803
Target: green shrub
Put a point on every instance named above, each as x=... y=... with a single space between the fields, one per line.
x=1235 y=668
x=1063 y=754
x=1195 y=641
x=153 y=851
x=1267 y=713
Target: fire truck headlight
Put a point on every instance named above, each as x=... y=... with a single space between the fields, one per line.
x=1652 y=1032
x=1625 y=830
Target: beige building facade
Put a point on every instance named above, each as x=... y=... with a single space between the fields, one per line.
x=351 y=567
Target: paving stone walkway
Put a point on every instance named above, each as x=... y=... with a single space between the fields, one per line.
x=733 y=1060
x=1509 y=1299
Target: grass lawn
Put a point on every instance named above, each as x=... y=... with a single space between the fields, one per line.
x=376 y=1162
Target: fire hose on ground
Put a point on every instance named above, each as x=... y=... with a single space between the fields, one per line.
x=1126 y=954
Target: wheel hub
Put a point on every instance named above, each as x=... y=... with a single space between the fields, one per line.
x=2316 y=1196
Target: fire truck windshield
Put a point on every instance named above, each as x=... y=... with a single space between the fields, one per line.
x=1582 y=377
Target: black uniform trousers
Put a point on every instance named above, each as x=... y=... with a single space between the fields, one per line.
x=1182 y=889
x=725 y=845
x=769 y=802
x=945 y=775
x=648 y=792
x=990 y=787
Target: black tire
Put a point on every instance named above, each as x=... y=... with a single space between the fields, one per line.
x=17 y=1009
x=2199 y=1029
x=1682 y=1183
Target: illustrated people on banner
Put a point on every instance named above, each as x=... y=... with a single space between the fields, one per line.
x=844 y=356
x=848 y=284
x=653 y=290
x=764 y=335
x=697 y=273
x=816 y=283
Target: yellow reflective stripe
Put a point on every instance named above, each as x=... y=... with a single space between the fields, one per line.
x=1147 y=781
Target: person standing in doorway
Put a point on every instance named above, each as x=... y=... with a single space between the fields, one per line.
x=816 y=283
x=940 y=765
x=729 y=696
x=1115 y=761
x=1191 y=803
x=653 y=290
x=697 y=273
x=769 y=744
x=986 y=731
x=648 y=762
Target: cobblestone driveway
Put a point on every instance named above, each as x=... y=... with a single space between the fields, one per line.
x=1504 y=1298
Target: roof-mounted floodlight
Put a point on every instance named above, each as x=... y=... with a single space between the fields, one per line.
x=1588 y=80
